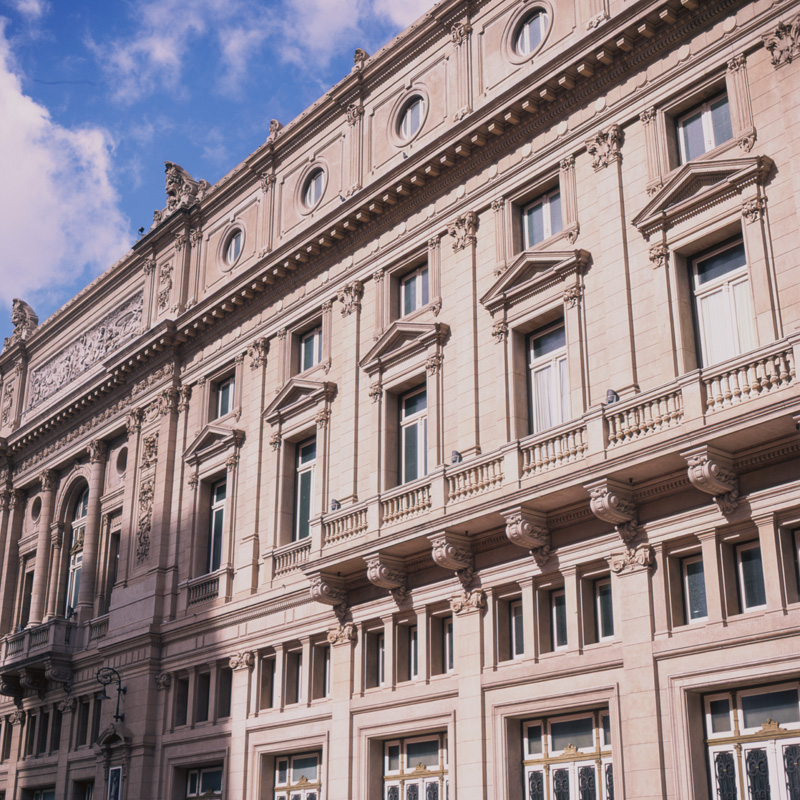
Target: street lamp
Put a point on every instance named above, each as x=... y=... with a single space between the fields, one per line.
x=105 y=676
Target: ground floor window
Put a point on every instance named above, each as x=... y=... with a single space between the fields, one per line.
x=205 y=782
x=298 y=777
x=416 y=768
x=568 y=757
x=753 y=739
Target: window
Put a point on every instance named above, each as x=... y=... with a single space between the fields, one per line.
x=413 y=435
x=750 y=574
x=531 y=33
x=77 y=532
x=44 y=794
x=202 y=692
x=181 y=701
x=216 y=526
x=295 y=685
x=548 y=387
x=27 y=596
x=315 y=186
x=516 y=626
x=321 y=685
x=84 y=790
x=416 y=768
x=414 y=291
x=413 y=653
x=411 y=118
x=224 y=689
x=310 y=348
x=694 y=589
x=112 y=570
x=206 y=782
x=306 y=459
x=83 y=722
x=55 y=731
x=381 y=660
x=541 y=218
x=298 y=777
x=223 y=396
x=766 y=759
x=448 y=645
x=704 y=127
x=558 y=619
x=572 y=753
x=604 y=609
x=233 y=247
x=723 y=303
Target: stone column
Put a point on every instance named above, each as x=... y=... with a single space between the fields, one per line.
x=48 y=481
x=639 y=772
x=712 y=573
x=56 y=543
x=12 y=505
x=342 y=641
x=768 y=537
x=242 y=665
x=97 y=459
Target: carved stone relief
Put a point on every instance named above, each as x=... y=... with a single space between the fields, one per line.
x=612 y=501
x=604 y=147
x=783 y=44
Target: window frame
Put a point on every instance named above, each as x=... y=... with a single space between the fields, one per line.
x=754 y=544
x=685 y=561
x=315 y=180
x=216 y=534
x=539 y=13
x=516 y=638
x=417 y=420
x=405 y=117
x=314 y=335
x=704 y=109
x=598 y=611
x=558 y=362
x=545 y=200
x=558 y=591
x=199 y=771
x=448 y=645
x=301 y=470
x=228 y=382
x=421 y=274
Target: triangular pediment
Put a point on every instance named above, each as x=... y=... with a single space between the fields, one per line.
x=697 y=185
x=403 y=340
x=296 y=396
x=212 y=439
x=531 y=273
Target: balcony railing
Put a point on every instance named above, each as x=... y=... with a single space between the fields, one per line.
x=643 y=415
x=404 y=503
x=98 y=629
x=474 y=478
x=345 y=527
x=543 y=452
x=56 y=636
x=291 y=557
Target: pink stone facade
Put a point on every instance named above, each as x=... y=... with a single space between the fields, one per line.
x=445 y=448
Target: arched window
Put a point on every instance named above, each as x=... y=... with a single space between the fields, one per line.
x=77 y=532
x=531 y=32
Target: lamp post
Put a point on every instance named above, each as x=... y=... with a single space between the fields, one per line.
x=105 y=676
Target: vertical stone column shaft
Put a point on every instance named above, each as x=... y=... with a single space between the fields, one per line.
x=97 y=472
x=48 y=481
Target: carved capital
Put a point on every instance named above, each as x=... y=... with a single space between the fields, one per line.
x=612 y=501
x=258 y=353
x=572 y=295
x=327 y=589
x=350 y=297
x=375 y=391
x=354 y=113
x=567 y=164
x=737 y=63
x=433 y=244
x=604 y=147
x=133 y=422
x=459 y=32
x=753 y=209
x=640 y=557
x=659 y=253
x=463 y=230
x=783 y=44
x=648 y=115
x=433 y=363
x=17 y=499
x=163 y=680
x=67 y=705
x=5 y=496
x=244 y=660
x=98 y=450
x=343 y=634
x=267 y=181
x=322 y=418
x=711 y=471
x=498 y=204
x=185 y=395
x=280 y=334
x=47 y=479
x=500 y=332
x=232 y=461
x=387 y=572
x=18 y=717
x=467 y=602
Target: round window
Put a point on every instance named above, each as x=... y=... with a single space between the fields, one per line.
x=233 y=249
x=122 y=461
x=315 y=186
x=531 y=33
x=36 y=509
x=411 y=118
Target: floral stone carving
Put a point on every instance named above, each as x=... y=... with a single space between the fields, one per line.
x=528 y=529
x=612 y=502
x=633 y=558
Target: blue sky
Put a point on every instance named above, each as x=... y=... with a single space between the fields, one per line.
x=96 y=94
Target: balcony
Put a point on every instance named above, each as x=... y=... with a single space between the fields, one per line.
x=58 y=637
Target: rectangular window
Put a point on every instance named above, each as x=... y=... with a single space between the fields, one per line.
x=202 y=691
x=8 y=732
x=448 y=645
x=414 y=291
x=306 y=458
x=752 y=594
x=294 y=677
x=27 y=595
x=704 y=127
x=97 y=715
x=55 y=731
x=112 y=569
x=413 y=435
x=267 y=681
x=223 y=397
x=205 y=782
x=181 y=701
x=83 y=722
x=216 y=526
x=416 y=768
x=541 y=218
x=694 y=589
x=517 y=629
x=30 y=734
x=44 y=724
x=225 y=678
x=413 y=653
x=325 y=658
x=558 y=619
x=298 y=777
x=549 y=383
x=604 y=609
x=310 y=348
x=723 y=304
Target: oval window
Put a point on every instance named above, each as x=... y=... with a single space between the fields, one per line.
x=315 y=185
x=531 y=33
x=234 y=248
x=411 y=118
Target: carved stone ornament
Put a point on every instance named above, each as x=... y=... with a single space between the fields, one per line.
x=648 y=115
x=181 y=188
x=434 y=363
x=244 y=660
x=163 y=680
x=98 y=450
x=117 y=327
x=612 y=501
x=327 y=589
x=185 y=395
x=275 y=441
x=459 y=32
x=164 y=285
x=24 y=320
x=354 y=113
x=322 y=418
x=633 y=558
x=567 y=164
x=597 y=20
x=753 y=209
x=144 y=520
x=47 y=480
x=275 y=128
x=168 y=401
x=473 y=600
x=10 y=687
x=133 y=421
x=359 y=59
x=711 y=471
x=258 y=351
x=783 y=44
x=350 y=297
x=572 y=295
x=604 y=147
x=67 y=704
x=500 y=332
x=375 y=391
x=528 y=529
x=387 y=572
x=149 y=451
x=33 y=680
x=18 y=717
x=232 y=461
x=463 y=229
x=659 y=253
x=453 y=551
x=194 y=479
x=58 y=673
x=343 y=634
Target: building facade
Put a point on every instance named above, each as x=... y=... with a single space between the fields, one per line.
x=446 y=447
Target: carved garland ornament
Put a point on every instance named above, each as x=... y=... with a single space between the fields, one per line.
x=244 y=660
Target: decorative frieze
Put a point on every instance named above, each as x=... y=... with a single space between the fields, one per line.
x=639 y=557
x=612 y=501
x=711 y=471
x=604 y=147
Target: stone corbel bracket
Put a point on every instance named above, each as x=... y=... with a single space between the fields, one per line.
x=58 y=673
x=10 y=687
x=528 y=529
x=612 y=501
x=711 y=471
x=388 y=572
x=453 y=551
x=330 y=590
x=33 y=680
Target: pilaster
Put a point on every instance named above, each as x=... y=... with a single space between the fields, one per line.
x=48 y=483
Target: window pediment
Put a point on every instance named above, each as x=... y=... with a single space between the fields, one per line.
x=297 y=396
x=211 y=441
x=697 y=186
x=532 y=273
x=402 y=340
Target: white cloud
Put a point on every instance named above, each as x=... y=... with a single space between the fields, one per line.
x=33 y=9
x=403 y=13
x=60 y=217
x=238 y=46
